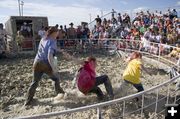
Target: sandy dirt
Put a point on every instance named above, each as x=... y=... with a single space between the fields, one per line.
x=16 y=76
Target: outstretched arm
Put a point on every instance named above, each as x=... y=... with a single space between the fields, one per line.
x=70 y=57
x=144 y=69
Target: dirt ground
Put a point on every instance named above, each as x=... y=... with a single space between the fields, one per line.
x=16 y=76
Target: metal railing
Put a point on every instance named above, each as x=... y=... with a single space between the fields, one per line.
x=100 y=108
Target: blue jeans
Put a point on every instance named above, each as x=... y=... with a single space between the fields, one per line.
x=102 y=80
x=139 y=86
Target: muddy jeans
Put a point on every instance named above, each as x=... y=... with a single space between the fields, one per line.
x=102 y=80
x=39 y=69
x=139 y=86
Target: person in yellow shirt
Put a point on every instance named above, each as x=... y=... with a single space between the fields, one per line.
x=173 y=53
x=132 y=72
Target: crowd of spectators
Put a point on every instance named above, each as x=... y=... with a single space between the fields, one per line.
x=145 y=27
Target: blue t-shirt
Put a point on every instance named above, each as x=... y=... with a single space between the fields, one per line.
x=46 y=46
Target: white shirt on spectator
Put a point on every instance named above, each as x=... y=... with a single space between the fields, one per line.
x=158 y=38
x=178 y=30
x=42 y=33
x=147 y=34
x=146 y=43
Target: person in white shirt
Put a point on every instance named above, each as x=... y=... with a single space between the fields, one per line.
x=42 y=32
x=25 y=30
x=158 y=37
x=148 y=33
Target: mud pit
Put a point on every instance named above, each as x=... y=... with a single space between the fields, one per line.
x=16 y=76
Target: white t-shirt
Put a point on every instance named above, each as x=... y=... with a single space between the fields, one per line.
x=178 y=30
x=145 y=42
x=147 y=34
x=27 y=28
x=158 y=38
x=42 y=33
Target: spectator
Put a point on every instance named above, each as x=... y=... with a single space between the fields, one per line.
x=71 y=32
x=119 y=18
x=60 y=37
x=173 y=53
x=104 y=23
x=25 y=30
x=42 y=32
x=113 y=20
x=98 y=20
x=65 y=30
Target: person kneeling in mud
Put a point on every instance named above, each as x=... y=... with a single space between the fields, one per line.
x=87 y=82
x=45 y=63
x=132 y=72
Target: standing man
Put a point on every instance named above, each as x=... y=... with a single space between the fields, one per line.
x=71 y=32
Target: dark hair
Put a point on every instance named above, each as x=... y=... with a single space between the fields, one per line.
x=46 y=28
x=51 y=30
x=91 y=58
x=57 y=25
x=135 y=55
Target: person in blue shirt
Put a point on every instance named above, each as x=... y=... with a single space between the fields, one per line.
x=44 y=63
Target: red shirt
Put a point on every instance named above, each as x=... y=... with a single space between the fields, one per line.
x=86 y=79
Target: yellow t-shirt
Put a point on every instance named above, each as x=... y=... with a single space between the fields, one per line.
x=133 y=71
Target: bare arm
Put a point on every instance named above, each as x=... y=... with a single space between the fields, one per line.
x=70 y=57
x=50 y=60
x=144 y=69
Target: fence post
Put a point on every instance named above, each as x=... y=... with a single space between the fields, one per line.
x=159 y=55
x=175 y=97
x=99 y=116
x=167 y=101
x=142 y=105
x=157 y=96
x=124 y=106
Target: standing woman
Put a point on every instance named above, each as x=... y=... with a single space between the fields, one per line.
x=44 y=63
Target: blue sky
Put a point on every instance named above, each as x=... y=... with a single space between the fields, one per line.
x=66 y=11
